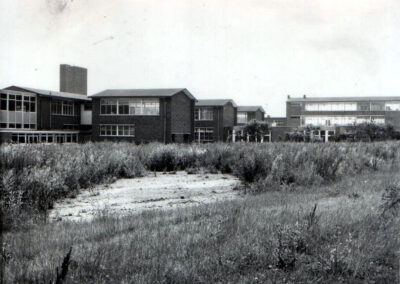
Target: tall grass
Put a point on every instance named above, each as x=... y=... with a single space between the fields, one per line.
x=33 y=177
x=274 y=237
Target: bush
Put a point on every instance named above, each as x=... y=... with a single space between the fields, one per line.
x=33 y=177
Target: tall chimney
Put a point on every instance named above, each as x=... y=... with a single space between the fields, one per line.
x=73 y=79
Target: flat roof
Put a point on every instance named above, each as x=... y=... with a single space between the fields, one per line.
x=343 y=99
x=215 y=102
x=51 y=93
x=143 y=93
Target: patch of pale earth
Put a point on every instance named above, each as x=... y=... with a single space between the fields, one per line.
x=155 y=191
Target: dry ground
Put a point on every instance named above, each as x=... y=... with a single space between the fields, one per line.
x=155 y=191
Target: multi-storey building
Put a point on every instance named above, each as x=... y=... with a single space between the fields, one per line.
x=246 y=114
x=329 y=114
x=143 y=115
x=29 y=115
x=214 y=120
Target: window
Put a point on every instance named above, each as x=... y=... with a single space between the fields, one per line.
x=123 y=106
x=14 y=106
x=392 y=106
x=60 y=107
x=117 y=130
x=132 y=106
x=204 y=113
x=3 y=102
x=204 y=134
x=331 y=106
x=242 y=117
x=67 y=108
x=377 y=106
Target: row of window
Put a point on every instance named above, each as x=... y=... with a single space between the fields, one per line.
x=373 y=106
x=204 y=134
x=22 y=102
x=132 y=106
x=117 y=130
x=17 y=125
x=63 y=107
x=340 y=120
x=44 y=138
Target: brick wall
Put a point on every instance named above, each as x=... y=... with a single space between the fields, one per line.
x=229 y=115
x=73 y=79
x=293 y=112
x=147 y=128
x=182 y=115
x=48 y=121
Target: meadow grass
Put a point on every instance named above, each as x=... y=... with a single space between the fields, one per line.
x=33 y=177
x=273 y=237
x=316 y=216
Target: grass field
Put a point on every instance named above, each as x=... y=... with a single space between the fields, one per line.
x=314 y=214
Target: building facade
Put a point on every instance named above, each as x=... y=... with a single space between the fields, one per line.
x=32 y=115
x=143 y=115
x=331 y=114
x=214 y=120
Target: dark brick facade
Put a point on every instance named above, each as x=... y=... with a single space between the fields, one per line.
x=73 y=79
x=175 y=122
x=224 y=119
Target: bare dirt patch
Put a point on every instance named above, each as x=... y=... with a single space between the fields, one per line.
x=155 y=191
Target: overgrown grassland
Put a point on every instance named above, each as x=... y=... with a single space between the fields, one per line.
x=277 y=235
x=273 y=237
x=33 y=177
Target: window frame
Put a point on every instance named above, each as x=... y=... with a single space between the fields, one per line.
x=133 y=106
x=114 y=130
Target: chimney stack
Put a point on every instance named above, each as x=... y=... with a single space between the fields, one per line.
x=73 y=79
x=304 y=97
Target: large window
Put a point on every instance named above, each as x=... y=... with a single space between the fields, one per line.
x=392 y=106
x=62 y=107
x=17 y=110
x=130 y=106
x=331 y=106
x=204 y=134
x=242 y=117
x=377 y=106
x=203 y=113
x=341 y=120
x=117 y=130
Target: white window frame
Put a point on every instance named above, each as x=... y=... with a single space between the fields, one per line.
x=64 y=105
x=199 y=130
x=18 y=117
x=137 y=106
x=127 y=130
x=204 y=114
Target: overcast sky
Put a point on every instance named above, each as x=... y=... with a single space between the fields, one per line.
x=253 y=51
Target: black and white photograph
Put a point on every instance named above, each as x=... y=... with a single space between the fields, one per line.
x=199 y=141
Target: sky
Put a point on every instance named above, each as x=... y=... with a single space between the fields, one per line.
x=255 y=52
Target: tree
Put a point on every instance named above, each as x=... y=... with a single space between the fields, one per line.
x=256 y=129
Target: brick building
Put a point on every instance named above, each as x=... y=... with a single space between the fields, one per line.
x=214 y=120
x=143 y=115
x=30 y=115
